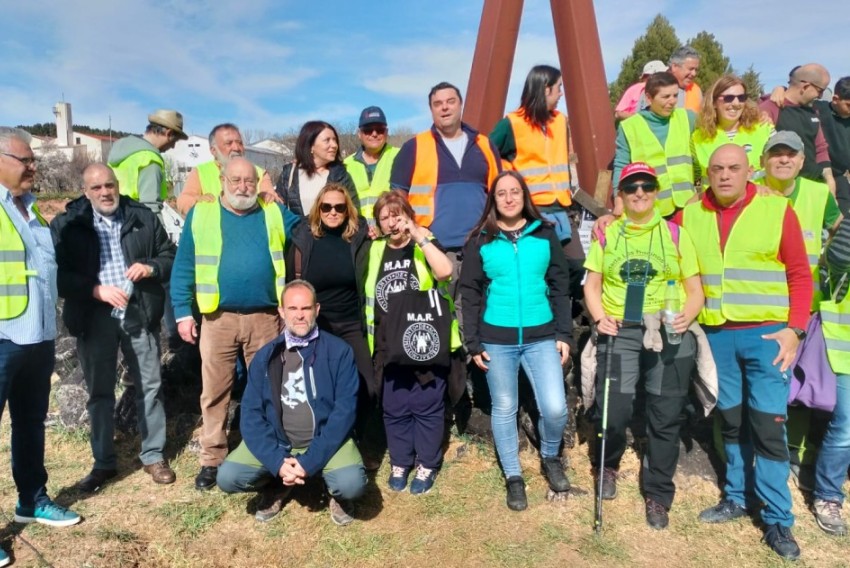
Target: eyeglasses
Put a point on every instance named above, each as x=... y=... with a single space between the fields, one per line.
x=338 y=207
x=820 y=90
x=647 y=187
x=729 y=98
x=27 y=162
x=370 y=129
x=513 y=192
x=249 y=182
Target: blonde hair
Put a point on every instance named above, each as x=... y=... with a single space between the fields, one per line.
x=707 y=119
x=315 y=216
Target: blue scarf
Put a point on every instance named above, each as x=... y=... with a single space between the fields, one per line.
x=294 y=341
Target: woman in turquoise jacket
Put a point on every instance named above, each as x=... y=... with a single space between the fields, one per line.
x=516 y=304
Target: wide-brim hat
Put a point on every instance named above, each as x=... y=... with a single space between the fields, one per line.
x=170 y=119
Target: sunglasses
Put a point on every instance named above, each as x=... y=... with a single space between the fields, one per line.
x=338 y=207
x=368 y=130
x=729 y=98
x=647 y=187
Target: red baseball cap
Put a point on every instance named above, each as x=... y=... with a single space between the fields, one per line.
x=636 y=168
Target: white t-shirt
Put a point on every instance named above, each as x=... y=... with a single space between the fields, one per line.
x=457 y=146
x=309 y=188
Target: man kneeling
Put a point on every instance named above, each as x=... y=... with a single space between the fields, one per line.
x=297 y=413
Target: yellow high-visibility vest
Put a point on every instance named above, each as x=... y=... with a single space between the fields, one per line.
x=127 y=173
x=368 y=193
x=14 y=295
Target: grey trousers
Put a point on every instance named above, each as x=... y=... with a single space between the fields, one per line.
x=97 y=349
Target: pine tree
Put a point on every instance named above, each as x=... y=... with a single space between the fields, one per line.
x=659 y=42
x=712 y=62
x=752 y=80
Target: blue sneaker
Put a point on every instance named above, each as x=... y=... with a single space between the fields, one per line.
x=47 y=513
x=424 y=480
x=398 y=478
x=4 y=558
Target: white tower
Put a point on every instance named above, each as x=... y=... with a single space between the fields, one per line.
x=64 y=124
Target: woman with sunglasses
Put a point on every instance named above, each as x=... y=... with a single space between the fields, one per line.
x=659 y=135
x=406 y=257
x=316 y=164
x=729 y=115
x=629 y=269
x=331 y=251
x=516 y=304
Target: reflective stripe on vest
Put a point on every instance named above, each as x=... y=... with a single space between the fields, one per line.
x=542 y=158
x=426 y=282
x=810 y=206
x=206 y=231
x=127 y=173
x=752 y=141
x=366 y=192
x=209 y=174
x=673 y=163
x=746 y=282
x=14 y=295
x=423 y=185
x=835 y=317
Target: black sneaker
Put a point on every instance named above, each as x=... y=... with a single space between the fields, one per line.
x=656 y=514
x=206 y=478
x=782 y=542
x=609 y=483
x=724 y=511
x=516 y=499
x=553 y=470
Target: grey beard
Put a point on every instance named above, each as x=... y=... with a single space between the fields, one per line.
x=241 y=203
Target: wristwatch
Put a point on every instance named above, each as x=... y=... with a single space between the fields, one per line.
x=801 y=333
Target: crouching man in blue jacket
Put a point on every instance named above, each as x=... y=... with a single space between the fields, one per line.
x=297 y=413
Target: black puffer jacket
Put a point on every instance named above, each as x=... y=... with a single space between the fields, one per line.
x=143 y=239
x=291 y=195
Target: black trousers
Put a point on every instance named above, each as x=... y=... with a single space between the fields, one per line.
x=667 y=378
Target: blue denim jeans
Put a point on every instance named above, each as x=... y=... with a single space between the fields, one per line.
x=542 y=364
x=25 y=383
x=834 y=457
x=753 y=404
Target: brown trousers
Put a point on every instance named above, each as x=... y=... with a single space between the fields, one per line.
x=222 y=334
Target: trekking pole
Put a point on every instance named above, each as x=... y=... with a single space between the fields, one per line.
x=597 y=523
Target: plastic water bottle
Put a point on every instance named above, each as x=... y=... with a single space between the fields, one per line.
x=671 y=310
x=119 y=313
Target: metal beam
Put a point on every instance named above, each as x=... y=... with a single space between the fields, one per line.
x=487 y=91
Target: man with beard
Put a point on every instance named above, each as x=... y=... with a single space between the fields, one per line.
x=297 y=413
x=230 y=262
x=225 y=144
x=27 y=329
x=113 y=256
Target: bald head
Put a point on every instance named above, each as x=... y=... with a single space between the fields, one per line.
x=728 y=172
x=239 y=182
x=808 y=82
x=101 y=189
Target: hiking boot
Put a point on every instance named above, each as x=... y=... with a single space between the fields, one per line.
x=339 y=515
x=271 y=503
x=516 y=500
x=96 y=479
x=782 y=542
x=609 y=483
x=4 y=558
x=46 y=513
x=656 y=514
x=423 y=481
x=161 y=472
x=553 y=471
x=724 y=511
x=398 y=478
x=206 y=477
x=828 y=516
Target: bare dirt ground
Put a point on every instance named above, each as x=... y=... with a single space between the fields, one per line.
x=462 y=522
x=51 y=207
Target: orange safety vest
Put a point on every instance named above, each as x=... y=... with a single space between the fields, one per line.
x=423 y=185
x=542 y=158
x=693 y=98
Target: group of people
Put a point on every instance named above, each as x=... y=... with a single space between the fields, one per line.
x=361 y=292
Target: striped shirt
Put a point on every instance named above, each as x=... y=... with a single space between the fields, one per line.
x=38 y=322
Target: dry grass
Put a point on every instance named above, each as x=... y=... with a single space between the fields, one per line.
x=462 y=522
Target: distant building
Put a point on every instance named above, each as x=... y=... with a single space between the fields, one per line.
x=69 y=142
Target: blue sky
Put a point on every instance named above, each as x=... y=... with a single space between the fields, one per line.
x=269 y=65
